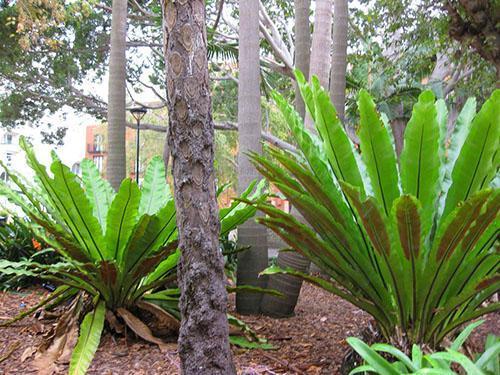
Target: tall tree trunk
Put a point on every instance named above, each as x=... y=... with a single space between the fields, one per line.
x=339 y=56
x=115 y=167
x=302 y=47
x=321 y=47
x=253 y=260
x=290 y=285
x=204 y=333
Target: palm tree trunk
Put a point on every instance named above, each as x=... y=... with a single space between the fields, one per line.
x=115 y=167
x=204 y=333
x=288 y=285
x=321 y=47
x=339 y=56
x=302 y=47
x=252 y=261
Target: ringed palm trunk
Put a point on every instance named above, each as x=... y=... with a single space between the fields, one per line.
x=302 y=47
x=204 y=333
x=252 y=261
x=320 y=48
x=115 y=167
x=289 y=285
x=339 y=56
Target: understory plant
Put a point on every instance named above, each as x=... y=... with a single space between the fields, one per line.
x=18 y=243
x=439 y=363
x=414 y=243
x=119 y=253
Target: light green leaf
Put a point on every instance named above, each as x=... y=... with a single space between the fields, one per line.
x=420 y=161
x=475 y=161
x=377 y=152
x=155 y=190
x=459 y=341
x=379 y=364
x=337 y=145
x=88 y=341
x=98 y=190
x=243 y=342
x=76 y=210
x=122 y=218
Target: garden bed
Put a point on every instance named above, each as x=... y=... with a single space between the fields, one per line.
x=311 y=342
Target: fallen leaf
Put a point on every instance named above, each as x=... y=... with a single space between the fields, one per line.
x=140 y=328
x=28 y=352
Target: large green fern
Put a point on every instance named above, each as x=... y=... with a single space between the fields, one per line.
x=119 y=250
x=414 y=244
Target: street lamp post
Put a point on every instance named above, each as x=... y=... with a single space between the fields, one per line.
x=138 y=114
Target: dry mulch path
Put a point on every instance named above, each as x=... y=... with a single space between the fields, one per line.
x=311 y=342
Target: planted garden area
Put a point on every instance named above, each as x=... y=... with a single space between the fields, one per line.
x=360 y=235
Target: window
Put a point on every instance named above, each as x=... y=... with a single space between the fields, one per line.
x=8 y=159
x=7 y=138
x=98 y=162
x=98 y=143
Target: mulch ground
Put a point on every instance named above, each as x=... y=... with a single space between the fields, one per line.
x=311 y=342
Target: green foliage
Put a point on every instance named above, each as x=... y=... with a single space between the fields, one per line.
x=119 y=250
x=17 y=243
x=486 y=363
x=397 y=242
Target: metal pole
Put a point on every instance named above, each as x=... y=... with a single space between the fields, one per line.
x=137 y=153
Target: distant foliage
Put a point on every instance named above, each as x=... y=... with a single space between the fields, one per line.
x=412 y=243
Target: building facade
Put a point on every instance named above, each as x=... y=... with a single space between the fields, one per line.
x=96 y=146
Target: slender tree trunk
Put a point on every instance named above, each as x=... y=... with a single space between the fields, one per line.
x=339 y=56
x=302 y=47
x=321 y=47
x=115 y=167
x=398 y=126
x=204 y=334
x=253 y=260
x=290 y=285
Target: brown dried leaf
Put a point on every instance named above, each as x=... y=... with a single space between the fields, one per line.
x=140 y=329
x=28 y=352
x=113 y=322
x=164 y=318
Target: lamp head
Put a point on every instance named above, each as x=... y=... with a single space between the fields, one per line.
x=138 y=112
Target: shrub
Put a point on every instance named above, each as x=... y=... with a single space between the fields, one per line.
x=119 y=251
x=413 y=244
x=18 y=243
x=485 y=363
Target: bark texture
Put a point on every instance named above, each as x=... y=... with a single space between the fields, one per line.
x=474 y=23
x=321 y=47
x=204 y=334
x=339 y=56
x=302 y=47
x=290 y=285
x=115 y=167
x=253 y=260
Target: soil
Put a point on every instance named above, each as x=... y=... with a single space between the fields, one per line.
x=311 y=342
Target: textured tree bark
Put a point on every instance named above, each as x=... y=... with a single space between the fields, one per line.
x=115 y=167
x=321 y=47
x=253 y=260
x=204 y=334
x=339 y=56
x=290 y=285
x=302 y=47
